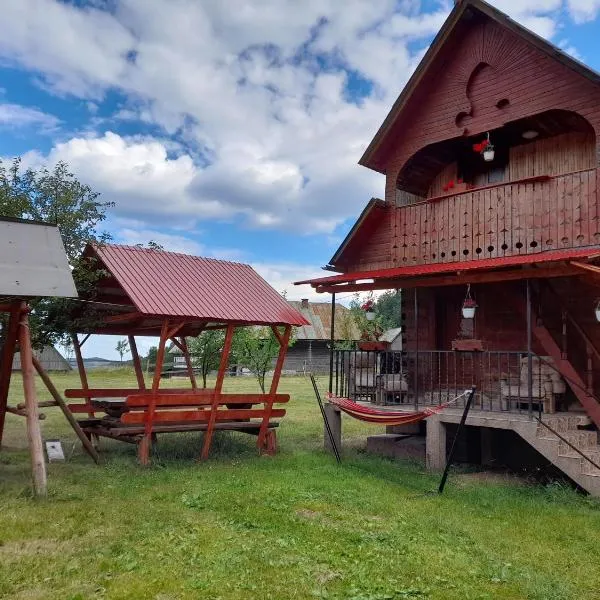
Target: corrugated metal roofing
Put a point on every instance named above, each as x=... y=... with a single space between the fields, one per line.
x=33 y=261
x=453 y=267
x=179 y=285
x=318 y=315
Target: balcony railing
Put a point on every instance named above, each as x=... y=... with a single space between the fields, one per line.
x=522 y=217
x=428 y=378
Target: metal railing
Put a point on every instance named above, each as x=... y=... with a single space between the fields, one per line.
x=432 y=377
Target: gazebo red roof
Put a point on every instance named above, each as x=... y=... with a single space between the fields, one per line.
x=169 y=284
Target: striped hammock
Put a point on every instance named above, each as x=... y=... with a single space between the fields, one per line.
x=388 y=417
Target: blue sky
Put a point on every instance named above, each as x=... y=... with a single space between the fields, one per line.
x=228 y=129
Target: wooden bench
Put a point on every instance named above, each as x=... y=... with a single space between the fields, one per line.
x=144 y=414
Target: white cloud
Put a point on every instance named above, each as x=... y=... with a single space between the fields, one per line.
x=583 y=10
x=14 y=116
x=257 y=91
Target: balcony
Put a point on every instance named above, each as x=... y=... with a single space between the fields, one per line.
x=521 y=217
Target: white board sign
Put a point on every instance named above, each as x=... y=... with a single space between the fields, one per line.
x=54 y=451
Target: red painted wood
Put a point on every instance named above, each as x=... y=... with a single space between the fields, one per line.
x=201 y=416
x=8 y=351
x=137 y=363
x=200 y=399
x=81 y=370
x=123 y=392
x=218 y=387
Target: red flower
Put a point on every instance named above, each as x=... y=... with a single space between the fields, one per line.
x=451 y=184
x=460 y=181
x=368 y=306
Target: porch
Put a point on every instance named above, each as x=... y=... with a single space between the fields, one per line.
x=506 y=381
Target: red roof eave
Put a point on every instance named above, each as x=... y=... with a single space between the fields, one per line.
x=485 y=264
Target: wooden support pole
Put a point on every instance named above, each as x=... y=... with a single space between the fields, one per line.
x=137 y=363
x=58 y=400
x=331 y=342
x=264 y=426
x=34 y=433
x=8 y=352
x=218 y=389
x=146 y=441
x=188 y=363
x=81 y=370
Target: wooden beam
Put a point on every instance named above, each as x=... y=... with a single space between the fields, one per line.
x=58 y=400
x=146 y=441
x=8 y=352
x=82 y=374
x=218 y=388
x=277 y=334
x=264 y=426
x=137 y=363
x=130 y=316
x=592 y=268
x=34 y=433
x=188 y=363
x=458 y=278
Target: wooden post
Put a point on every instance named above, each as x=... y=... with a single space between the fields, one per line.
x=283 y=345
x=529 y=352
x=146 y=441
x=82 y=373
x=34 y=433
x=137 y=365
x=8 y=352
x=331 y=342
x=188 y=363
x=65 y=409
x=218 y=388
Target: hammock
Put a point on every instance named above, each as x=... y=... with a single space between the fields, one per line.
x=388 y=417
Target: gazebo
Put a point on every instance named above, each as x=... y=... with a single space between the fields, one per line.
x=33 y=263
x=150 y=292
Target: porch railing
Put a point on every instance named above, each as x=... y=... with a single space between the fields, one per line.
x=432 y=377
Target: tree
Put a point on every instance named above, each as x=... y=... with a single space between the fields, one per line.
x=256 y=348
x=389 y=308
x=205 y=351
x=56 y=196
x=122 y=348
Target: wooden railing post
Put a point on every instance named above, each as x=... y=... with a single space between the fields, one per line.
x=218 y=389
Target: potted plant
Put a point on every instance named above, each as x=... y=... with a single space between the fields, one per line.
x=368 y=308
x=486 y=149
x=469 y=305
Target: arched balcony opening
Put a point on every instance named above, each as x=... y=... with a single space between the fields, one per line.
x=552 y=143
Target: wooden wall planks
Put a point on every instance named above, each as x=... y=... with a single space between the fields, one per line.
x=515 y=218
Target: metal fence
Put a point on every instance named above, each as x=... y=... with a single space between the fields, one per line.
x=427 y=378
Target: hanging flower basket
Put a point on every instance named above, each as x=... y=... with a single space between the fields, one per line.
x=469 y=305
x=486 y=149
x=597 y=311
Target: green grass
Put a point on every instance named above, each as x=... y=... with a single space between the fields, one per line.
x=291 y=526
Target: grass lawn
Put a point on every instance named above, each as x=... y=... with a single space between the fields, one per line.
x=291 y=526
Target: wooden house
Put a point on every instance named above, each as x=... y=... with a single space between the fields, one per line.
x=491 y=158
x=311 y=349
x=49 y=357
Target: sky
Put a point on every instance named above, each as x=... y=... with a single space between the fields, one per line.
x=227 y=128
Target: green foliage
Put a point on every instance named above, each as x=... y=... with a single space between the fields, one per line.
x=56 y=196
x=389 y=309
x=295 y=525
x=205 y=351
x=369 y=329
x=256 y=348
x=122 y=348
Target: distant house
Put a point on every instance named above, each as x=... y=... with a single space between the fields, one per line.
x=310 y=351
x=50 y=357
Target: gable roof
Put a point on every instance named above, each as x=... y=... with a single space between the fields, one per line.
x=318 y=315
x=372 y=157
x=33 y=261
x=169 y=284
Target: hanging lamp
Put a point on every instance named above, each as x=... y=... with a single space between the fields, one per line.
x=597 y=311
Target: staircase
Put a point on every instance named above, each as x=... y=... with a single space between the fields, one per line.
x=572 y=464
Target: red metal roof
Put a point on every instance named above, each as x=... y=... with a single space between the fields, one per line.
x=453 y=267
x=179 y=285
